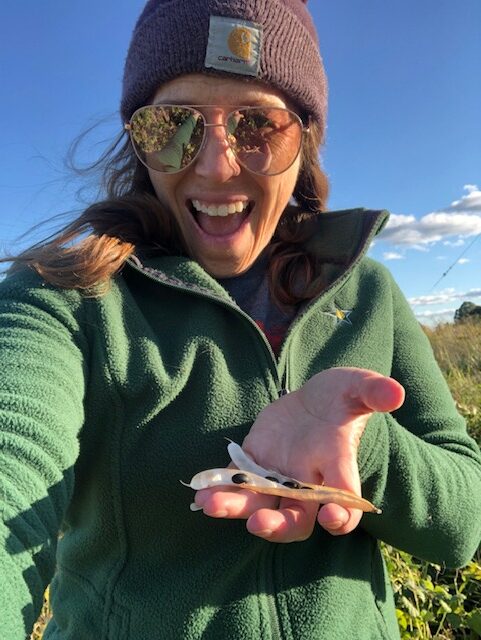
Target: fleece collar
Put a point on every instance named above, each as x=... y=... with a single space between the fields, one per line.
x=339 y=238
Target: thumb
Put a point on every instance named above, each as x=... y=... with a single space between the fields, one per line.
x=376 y=392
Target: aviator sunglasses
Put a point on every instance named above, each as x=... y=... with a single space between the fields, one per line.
x=168 y=138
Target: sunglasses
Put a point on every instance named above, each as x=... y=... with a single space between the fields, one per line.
x=168 y=138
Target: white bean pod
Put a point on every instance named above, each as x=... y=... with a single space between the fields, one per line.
x=242 y=461
x=223 y=477
x=302 y=491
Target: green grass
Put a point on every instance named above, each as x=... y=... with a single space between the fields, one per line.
x=432 y=603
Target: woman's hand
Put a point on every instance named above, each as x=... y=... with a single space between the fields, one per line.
x=313 y=435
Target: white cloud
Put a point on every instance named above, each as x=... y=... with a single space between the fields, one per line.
x=420 y=247
x=446 y=296
x=436 y=314
x=392 y=255
x=469 y=202
x=432 y=228
x=461 y=219
x=463 y=260
x=454 y=243
x=398 y=220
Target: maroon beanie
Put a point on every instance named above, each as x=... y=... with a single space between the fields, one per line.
x=274 y=41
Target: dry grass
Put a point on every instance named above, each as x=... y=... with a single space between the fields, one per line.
x=43 y=619
x=457 y=348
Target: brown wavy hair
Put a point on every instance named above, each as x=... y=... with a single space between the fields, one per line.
x=86 y=253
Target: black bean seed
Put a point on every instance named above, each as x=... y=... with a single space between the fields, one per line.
x=240 y=478
x=272 y=479
x=291 y=484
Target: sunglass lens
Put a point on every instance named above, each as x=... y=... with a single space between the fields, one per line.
x=265 y=140
x=167 y=138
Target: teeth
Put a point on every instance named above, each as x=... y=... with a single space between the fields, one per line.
x=220 y=210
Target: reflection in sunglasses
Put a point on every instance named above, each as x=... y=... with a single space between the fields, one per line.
x=179 y=151
x=168 y=138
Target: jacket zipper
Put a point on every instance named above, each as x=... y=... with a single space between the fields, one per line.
x=274 y=617
x=282 y=390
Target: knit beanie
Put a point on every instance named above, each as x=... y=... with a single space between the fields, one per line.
x=274 y=41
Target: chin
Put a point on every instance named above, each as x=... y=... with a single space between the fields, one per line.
x=224 y=269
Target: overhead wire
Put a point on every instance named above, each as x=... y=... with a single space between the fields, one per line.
x=466 y=249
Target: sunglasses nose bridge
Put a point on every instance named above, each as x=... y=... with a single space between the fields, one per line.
x=215 y=157
x=216 y=125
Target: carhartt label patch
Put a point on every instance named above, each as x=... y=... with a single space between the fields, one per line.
x=234 y=46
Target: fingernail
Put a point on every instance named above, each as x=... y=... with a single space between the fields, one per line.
x=334 y=524
x=263 y=533
x=217 y=514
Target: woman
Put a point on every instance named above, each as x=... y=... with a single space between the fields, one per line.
x=211 y=296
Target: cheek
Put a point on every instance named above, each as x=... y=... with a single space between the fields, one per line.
x=156 y=181
x=165 y=188
x=279 y=189
x=276 y=198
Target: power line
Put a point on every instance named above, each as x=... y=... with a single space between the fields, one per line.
x=456 y=261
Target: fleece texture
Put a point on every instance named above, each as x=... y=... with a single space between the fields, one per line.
x=105 y=404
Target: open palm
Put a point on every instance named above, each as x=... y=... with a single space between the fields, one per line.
x=311 y=434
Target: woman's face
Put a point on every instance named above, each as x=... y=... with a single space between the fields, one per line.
x=224 y=245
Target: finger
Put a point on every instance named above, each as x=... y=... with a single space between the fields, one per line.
x=225 y=503
x=337 y=520
x=377 y=392
x=293 y=522
x=343 y=473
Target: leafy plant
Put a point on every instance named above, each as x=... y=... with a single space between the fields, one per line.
x=432 y=602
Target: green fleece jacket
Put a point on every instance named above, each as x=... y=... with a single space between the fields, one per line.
x=106 y=403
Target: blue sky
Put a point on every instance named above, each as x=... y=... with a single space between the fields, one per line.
x=404 y=128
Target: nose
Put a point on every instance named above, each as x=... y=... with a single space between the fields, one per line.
x=216 y=160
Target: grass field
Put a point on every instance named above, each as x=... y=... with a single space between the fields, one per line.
x=433 y=603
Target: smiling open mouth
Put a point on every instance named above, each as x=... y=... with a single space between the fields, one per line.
x=220 y=219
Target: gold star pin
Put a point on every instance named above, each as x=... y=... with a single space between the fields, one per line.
x=341 y=315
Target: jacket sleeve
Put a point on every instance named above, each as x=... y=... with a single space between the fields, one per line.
x=41 y=412
x=419 y=464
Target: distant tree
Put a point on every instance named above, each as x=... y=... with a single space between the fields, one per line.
x=467 y=310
